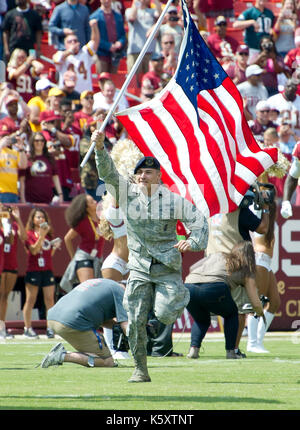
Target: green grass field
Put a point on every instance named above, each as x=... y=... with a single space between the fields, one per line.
x=259 y=382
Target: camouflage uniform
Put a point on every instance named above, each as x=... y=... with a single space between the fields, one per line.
x=155 y=280
x=88 y=173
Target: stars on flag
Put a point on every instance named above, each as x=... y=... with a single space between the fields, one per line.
x=199 y=70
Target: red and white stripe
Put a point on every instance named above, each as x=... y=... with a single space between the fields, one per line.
x=212 y=162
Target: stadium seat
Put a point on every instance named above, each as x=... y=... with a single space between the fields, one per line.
x=237 y=34
x=241 y=6
x=274 y=7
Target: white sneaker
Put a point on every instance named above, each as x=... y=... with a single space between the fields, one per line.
x=251 y=348
x=29 y=332
x=261 y=349
x=120 y=355
x=257 y=349
x=55 y=356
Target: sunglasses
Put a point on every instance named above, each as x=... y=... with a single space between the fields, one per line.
x=244 y=53
x=38 y=140
x=222 y=24
x=265 y=110
x=169 y=42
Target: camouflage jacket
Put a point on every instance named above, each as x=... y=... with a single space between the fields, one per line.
x=151 y=221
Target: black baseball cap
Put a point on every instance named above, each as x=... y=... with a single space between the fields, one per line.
x=147 y=162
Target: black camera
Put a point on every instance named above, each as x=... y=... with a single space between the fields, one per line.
x=268 y=46
x=259 y=194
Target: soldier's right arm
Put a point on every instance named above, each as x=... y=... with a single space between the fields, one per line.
x=106 y=168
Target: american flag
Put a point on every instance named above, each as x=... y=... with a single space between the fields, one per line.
x=196 y=128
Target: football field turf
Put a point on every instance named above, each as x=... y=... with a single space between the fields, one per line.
x=259 y=382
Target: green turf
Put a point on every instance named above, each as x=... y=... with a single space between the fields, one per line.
x=260 y=382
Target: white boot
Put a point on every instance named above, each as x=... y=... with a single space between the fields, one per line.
x=252 y=324
x=262 y=329
x=2 y=330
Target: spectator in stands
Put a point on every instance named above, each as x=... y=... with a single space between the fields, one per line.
x=271 y=137
x=58 y=143
x=105 y=98
x=102 y=79
x=77 y=59
x=172 y=27
x=292 y=58
x=41 y=175
x=69 y=84
x=22 y=72
x=69 y=18
x=288 y=104
x=12 y=228
x=12 y=121
x=82 y=218
x=169 y=53
x=273 y=115
x=141 y=18
x=71 y=128
x=252 y=90
x=156 y=69
x=284 y=28
x=22 y=28
x=112 y=37
x=220 y=43
x=287 y=138
x=147 y=91
x=55 y=95
x=39 y=272
x=196 y=13
x=84 y=116
x=6 y=90
x=271 y=62
x=262 y=121
x=237 y=70
x=3 y=10
x=37 y=104
x=257 y=21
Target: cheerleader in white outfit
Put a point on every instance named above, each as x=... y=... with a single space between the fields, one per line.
x=266 y=283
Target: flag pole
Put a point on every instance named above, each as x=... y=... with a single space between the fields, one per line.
x=128 y=79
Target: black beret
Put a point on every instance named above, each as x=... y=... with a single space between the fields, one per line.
x=147 y=162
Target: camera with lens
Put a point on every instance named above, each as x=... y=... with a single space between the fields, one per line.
x=267 y=46
x=259 y=194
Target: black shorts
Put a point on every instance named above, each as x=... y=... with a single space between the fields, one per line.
x=40 y=278
x=84 y=263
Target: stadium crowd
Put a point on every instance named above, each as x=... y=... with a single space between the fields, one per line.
x=63 y=63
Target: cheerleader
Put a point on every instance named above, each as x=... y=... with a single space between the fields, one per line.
x=40 y=247
x=12 y=227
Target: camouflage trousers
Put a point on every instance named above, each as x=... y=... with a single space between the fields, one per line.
x=162 y=291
